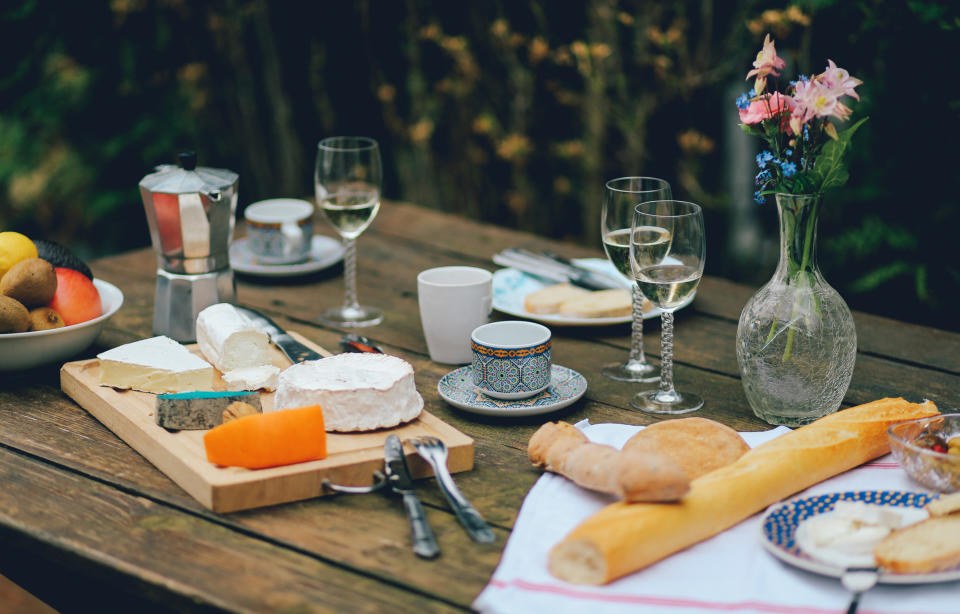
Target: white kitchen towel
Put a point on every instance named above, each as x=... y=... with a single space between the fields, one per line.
x=731 y=572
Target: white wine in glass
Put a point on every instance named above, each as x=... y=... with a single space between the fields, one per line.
x=620 y=196
x=348 y=181
x=667 y=277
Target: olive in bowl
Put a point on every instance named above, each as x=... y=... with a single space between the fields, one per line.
x=929 y=450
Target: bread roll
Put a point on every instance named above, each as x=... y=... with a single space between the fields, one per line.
x=549 y=299
x=624 y=537
x=697 y=445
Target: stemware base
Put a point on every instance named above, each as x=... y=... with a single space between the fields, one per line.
x=653 y=402
x=351 y=317
x=632 y=371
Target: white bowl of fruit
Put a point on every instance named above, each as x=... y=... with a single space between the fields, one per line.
x=51 y=307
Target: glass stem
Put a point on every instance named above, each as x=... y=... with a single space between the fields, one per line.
x=350 y=273
x=666 y=394
x=636 y=338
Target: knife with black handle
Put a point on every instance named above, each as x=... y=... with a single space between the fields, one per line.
x=398 y=477
x=292 y=349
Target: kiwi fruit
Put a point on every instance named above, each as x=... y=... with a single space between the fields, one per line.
x=44 y=318
x=14 y=317
x=33 y=282
x=60 y=256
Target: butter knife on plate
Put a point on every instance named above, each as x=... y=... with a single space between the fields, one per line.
x=291 y=348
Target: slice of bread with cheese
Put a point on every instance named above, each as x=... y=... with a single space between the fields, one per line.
x=548 y=300
x=601 y=304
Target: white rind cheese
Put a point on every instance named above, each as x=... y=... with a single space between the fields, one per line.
x=158 y=364
x=229 y=340
x=358 y=392
x=252 y=378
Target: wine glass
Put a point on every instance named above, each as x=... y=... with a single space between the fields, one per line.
x=347 y=181
x=667 y=274
x=620 y=196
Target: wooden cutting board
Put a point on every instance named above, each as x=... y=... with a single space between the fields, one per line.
x=352 y=459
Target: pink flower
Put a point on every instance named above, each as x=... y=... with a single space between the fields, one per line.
x=767 y=106
x=767 y=63
x=840 y=81
x=815 y=98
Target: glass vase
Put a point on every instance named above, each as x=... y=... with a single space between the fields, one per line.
x=796 y=343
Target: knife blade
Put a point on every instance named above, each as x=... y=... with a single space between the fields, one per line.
x=398 y=477
x=543 y=266
x=291 y=348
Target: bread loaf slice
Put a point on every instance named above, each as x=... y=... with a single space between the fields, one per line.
x=600 y=304
x=548 y=300
x=925 y=547
x=623 y=538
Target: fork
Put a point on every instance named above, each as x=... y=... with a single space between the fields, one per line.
x=434 y=451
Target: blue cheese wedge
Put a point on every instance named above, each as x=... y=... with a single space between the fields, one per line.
x=198 y=410
x=158 y=365
x=229 y=340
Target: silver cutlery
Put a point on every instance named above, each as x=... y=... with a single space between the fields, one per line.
x=548 y=268
x=292 y=349
x=858 y=580
x=435 y=453
x=398 y=477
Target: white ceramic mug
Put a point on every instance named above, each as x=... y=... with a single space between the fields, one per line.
x=279 y=230
x=454 y=300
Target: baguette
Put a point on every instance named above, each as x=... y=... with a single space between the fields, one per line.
x=925 y=547
x=623 y=538
x=600 y=304
x=549 y=299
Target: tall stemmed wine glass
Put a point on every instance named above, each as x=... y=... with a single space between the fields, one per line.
x=620 y=196
x=667 y=275
x=348 y=181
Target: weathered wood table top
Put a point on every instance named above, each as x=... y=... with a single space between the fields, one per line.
x=85 y=520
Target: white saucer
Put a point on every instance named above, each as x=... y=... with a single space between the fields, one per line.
x=324 y=252
x=566 y=387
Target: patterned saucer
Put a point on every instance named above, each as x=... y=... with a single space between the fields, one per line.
x=566 y=387
x=780 y=526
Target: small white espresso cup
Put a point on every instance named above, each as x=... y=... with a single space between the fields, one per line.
x=279 y=230
x=454 y=300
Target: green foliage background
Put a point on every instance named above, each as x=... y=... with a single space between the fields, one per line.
x=513 y=113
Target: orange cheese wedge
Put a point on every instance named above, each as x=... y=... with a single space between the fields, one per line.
x=269 y=440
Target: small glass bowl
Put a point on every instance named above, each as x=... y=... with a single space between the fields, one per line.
x=935 y=470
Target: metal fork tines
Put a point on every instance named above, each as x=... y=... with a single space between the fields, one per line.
x=434 y=452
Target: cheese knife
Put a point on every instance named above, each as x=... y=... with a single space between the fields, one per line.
x=291 y=348
x=398 y=477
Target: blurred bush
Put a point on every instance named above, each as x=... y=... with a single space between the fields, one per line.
x=512 y=113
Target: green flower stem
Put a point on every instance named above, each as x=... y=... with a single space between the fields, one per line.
x=804 y=263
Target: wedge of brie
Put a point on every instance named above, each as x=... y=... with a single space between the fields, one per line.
x=229 y=340
x=158 y=364
x=358 y=392
x=261 y=377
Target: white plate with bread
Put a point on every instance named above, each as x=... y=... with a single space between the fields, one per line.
x=901 y=550
x=525 y=296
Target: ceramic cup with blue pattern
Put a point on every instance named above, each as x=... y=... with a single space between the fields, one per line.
x=511 y=360
x=279 y=230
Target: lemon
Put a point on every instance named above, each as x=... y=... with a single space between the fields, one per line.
x=14 y=247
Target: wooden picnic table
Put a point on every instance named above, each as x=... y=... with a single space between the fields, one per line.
x=86 y=521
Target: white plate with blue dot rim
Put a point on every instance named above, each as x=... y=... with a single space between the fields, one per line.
x=779 y=530
x=510 y=286
x=566 y=387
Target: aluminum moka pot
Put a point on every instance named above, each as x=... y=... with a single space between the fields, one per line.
x=190 y=211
